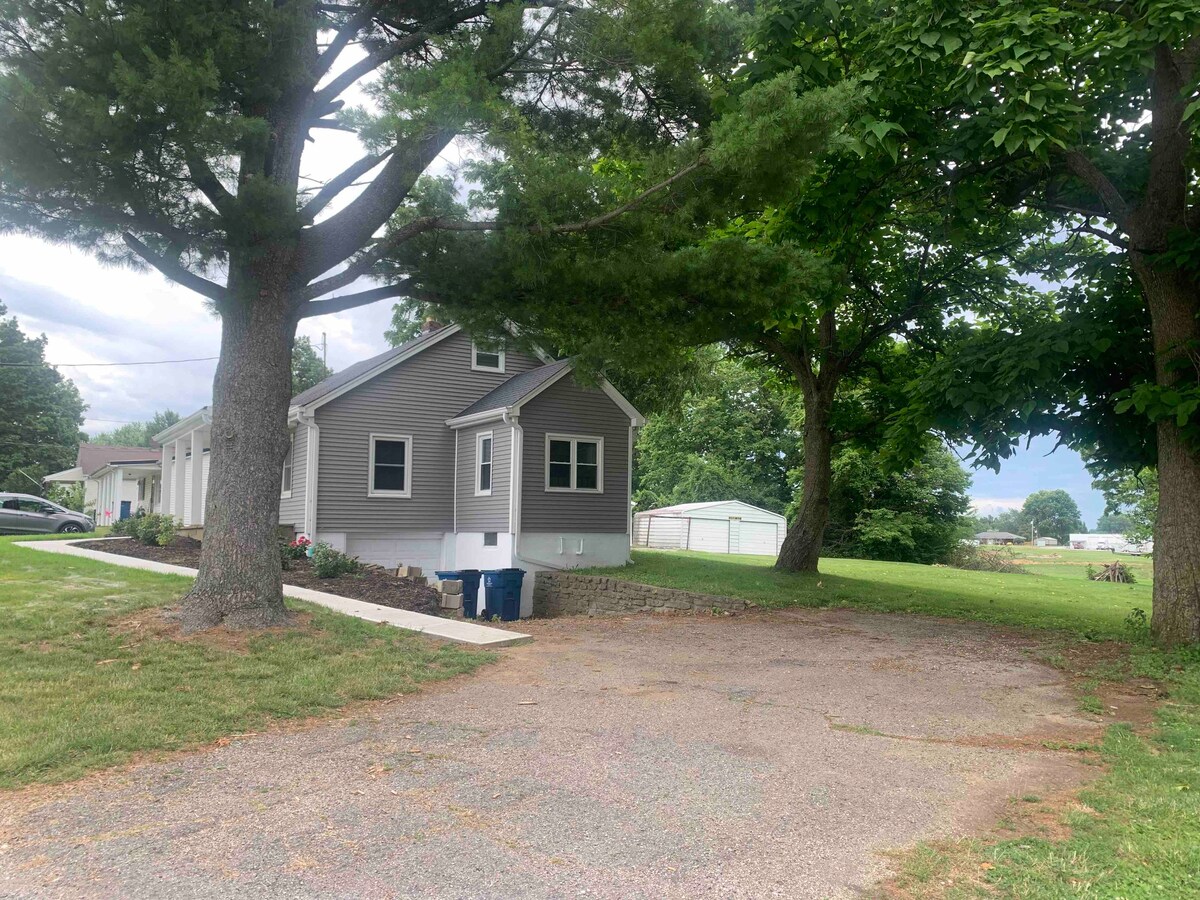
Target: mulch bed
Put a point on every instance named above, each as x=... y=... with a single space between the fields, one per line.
x=372 y=583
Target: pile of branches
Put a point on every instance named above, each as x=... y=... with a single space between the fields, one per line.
x=1115 y=571
x=982 y=559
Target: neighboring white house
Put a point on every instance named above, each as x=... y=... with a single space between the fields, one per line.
x=724 y=526
x=988 y=538
x=1118 y=543
x=117 y=481
x=184 y=483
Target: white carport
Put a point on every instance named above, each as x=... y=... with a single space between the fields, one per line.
x=723 y=526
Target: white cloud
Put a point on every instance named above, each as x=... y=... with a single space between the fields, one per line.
x=990 y=506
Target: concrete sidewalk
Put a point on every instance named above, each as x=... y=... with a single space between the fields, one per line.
x=458 y=630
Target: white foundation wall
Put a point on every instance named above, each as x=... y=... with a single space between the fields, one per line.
x=548 y=551
x=427 y=549
x=470 y=552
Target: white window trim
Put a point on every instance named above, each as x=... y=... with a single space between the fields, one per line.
x=291 y=454
x=479 y=438
x=575 y=439
x=408 y=466
x=475 y=351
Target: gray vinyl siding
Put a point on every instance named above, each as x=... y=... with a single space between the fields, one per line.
x=414 y=397
x=568 y=408
x=484 y=513
x=291 y=509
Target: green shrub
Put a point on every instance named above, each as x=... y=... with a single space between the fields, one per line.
x=150 y=529
x=329 y=562
x=126 y=527
x=167 y=529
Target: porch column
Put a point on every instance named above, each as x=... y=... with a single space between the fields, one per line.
x=164 y=488
x=195 y=515
x=181 y=471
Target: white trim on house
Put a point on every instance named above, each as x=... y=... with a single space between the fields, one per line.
x=479 y=463
x=309 y=525
x=198 y=419
x=407 y=440
x=289 y=468
x=476 y=349
x=575 y=440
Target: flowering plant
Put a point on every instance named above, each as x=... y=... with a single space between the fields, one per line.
x=298 y=549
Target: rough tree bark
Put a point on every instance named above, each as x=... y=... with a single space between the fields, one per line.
x=801 y=549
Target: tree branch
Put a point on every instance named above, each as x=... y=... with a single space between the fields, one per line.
x=209 y=185
x=352 y=301
x=339 y=183
x=176 y=272
x=1085 y=170
x=359 y=19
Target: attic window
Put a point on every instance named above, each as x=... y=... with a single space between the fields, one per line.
x=487 y=359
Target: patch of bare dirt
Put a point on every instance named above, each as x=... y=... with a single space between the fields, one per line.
x=163 y=625
x=372 y=584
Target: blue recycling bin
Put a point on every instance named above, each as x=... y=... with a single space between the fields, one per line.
x=470 y=581
x=502 y=593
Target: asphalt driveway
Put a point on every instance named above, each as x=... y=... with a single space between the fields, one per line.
x=772 y=754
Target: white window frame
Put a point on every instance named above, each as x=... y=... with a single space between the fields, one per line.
x=408 y=465
x=289 y=469
x=491 y=463
x=574 y=440
x=476 y=349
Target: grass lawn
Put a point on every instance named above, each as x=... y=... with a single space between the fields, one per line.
x=84 y=687
x=1136 y=835
x=1055 y=595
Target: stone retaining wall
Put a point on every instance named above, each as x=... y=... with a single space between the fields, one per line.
x=564 y=594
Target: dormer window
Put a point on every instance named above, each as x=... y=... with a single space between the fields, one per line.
x=487 y=359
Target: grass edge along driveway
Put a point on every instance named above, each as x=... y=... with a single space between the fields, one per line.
x=88 y=683
x=1133 y=834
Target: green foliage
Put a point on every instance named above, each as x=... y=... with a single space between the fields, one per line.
x=66 y=494
x=407 y=317
x=149 y=528
x=329 y=562
x=308 y=368
x=1053 y=513
x=984 y=559
x=911 y=516
x=40 y=412
x=137 y=434
x=1114 y=523
x=1134 y=497
x=730 y=438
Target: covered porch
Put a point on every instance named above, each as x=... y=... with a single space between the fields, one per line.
x=185 y=460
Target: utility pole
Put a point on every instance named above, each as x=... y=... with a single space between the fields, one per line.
x=324 y=351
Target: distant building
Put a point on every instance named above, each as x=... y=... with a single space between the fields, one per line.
x=1046 y=542
x=999 y=537
x=1117 y=543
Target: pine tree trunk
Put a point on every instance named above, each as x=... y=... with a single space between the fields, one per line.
x=802 y=546
x=1174 y=303
x=240 y=579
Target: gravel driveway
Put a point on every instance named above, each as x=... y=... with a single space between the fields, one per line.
x=771 y=754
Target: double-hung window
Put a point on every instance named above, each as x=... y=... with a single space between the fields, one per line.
x=390 y=466
x=483 y=464
x=574 y=463
x=487 y=359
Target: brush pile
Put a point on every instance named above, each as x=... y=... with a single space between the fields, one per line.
x=1116 y=571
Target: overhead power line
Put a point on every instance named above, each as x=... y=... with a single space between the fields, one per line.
x=154 y=362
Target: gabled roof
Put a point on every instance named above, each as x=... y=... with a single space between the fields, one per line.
x=999 y=536
x=368 y=368
x=680 y=509
x=201 y=417
x=93 y=457
x=511 y=392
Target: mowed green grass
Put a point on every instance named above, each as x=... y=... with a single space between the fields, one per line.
x=1052 y=595
x=78 y=693
x=1137 y=837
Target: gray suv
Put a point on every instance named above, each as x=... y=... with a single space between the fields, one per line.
x=26 y=514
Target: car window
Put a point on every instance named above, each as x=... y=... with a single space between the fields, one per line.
x=10 y=503
x=34 y=506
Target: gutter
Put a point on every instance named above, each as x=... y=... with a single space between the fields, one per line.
x=514 y=493
x=311 y=456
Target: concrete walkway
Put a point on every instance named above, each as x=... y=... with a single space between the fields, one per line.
x=457 y=630
x=763 y=755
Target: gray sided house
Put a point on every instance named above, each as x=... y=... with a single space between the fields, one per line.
x=444 y=454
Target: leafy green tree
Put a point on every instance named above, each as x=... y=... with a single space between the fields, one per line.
x=914 y=516
x=138 y=434
x=308 y=368
x=40 y=411
x=173 y=136
x=1114 y=523
x=1132 y=497
x=1086 y=112
x=729 y=439
x=1053 y=513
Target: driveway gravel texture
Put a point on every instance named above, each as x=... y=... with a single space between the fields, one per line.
x=773 y=754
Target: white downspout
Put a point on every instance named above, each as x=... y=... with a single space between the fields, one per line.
x=514 y=511
x=311 y=456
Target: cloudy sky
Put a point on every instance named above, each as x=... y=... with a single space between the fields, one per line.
x=96 y=314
